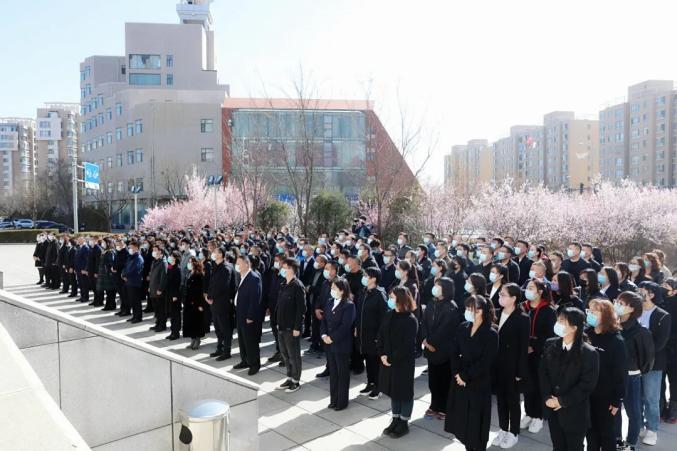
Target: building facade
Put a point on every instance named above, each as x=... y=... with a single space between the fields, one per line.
x=151 y=115
x=470 y=166
x=57 y=135
x=17 y=150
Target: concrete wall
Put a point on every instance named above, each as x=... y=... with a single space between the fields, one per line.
x=120 y=394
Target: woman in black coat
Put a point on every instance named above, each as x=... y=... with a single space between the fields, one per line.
x=605 y=401
x=512 y=365
x=568 y=376
x=372 y=308
x=498 y=275
x=624 y=274
x=440 y=321
x=336 y=330
x=397 y=348
x=542 y=318
x=407 y=277
x=173 y=292
x=608 y=281
x=637 y=270
x=472 y=356
x=590 y=288
x=563 y=292
x=194 y=305
x=437 y=270
x=457 y=273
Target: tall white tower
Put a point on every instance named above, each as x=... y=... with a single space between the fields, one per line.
x=195 y=12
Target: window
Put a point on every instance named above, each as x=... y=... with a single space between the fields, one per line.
x=170 y=61
x=130 y=157
x=118 y=109
x=143 y=61
x=44 y=124
x=206 y=125
x=138 y=126
x=206 y=154
x=109 y=138
x=144 y=79
x=109 y=113
x=100 y=118
x=109 y=162
x=118 y=160
x=170 y=79
x=139 y=155
x=118 y=134
x=100 y=99
x=45 y=133
x=121 y=186
x=130 y=129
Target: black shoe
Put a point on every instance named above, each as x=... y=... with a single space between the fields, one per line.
x=391 y=426
x=241 y=366
x=215 y=354
x=147 y=310
x=153 y=329
x=366 y=390
x=293 y=387
x=331 y=406
x=401 y=429
x=252 y=371
x=161 y=329
x=92 y=303
x=63 y=292
x=125 y=313
x=324 y=373
x=39 y=282
x=108 y=309
x=73 y=295
x=281 y=363
x=358 y=371
x=374 y=395
x=97 y=304
x=305 y=335
x=223 y=357
x=172 y=337
x=275 y=358
x=338 y=409
x=136 y=320
x=286 y=384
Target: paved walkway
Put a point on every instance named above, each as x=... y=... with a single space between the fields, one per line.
x=298 y=420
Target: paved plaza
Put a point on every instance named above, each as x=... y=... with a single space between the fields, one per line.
x=298 y=420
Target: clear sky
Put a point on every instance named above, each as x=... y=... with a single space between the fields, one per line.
x=467 y=69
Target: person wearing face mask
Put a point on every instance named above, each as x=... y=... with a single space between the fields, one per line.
x=271 y=289
x=93 y=271
x=172 y=292
x=423 y=261
x=249 y=316
x=624 y=274
x=402 y=245
x=574 y=264
x=486 y=261
x=366 y=259
x=132 y=276
x=220 y=295
x=388 y=279
x=39 y=257
x=542 y=319
x=121 y=256
x=437 y=270
x=658 y=321
x=371 y=309
x=605 y=401
x=497 y=278
x=376 y=251
x=407 y=276
x=194 y=305
x=504 y=256
x=156 y=283
x=590 y=286
x=146 y=253
x=441 y=318
x=568 y=376
x=342 y=260
x=523 y=261
x=81 y=259
x=64 y=262
x=396 y=347
x=324 y=301
x=290 y=311
x=652 y=267
x=337 y=335
x=556 y=259
x=608 y=282
x=106 y=282
x=511 y=369
x=317 y=282
x=669 y=401
x=637 y=270
x=59 y=270
x=51 y=254
x=476 y=284
x=639 y=348
x=184 y=248
x=588 y=256
x=70 y=268
x=563 y=292
x=353 y=274
x=308 y=274
x=473 y=353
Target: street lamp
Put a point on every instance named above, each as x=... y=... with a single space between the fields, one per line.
x=215 y=181
x=136 y=189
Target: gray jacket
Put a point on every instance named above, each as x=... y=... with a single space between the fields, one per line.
x=157 y=275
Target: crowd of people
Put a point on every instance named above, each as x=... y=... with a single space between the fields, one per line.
x=577 y=337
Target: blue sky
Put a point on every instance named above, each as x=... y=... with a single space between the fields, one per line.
x=465 y=69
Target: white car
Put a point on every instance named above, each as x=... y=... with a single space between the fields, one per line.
x=23 y=223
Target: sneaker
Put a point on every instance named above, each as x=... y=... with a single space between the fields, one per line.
x=366 y=390
x=374 y=395
x=284 y=385
x=525 y=422
x=642 y=432
x=536 y=425
x=509 y=440
x=391 y=426
x=499 y=438
x=441 y=416
x=650 y=438
x=400 y=429
x=293 y=387
x=626 y=447
x=430 y=413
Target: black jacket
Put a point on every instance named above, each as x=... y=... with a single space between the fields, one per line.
x=291 y=305
x=525 y=267
x=93 y=260
x=571 y=377
x=638 y=346
x=387 y=276
x=338 y=325
x=355 y=281
x=472 y=357
x=369 y=262
x=613 y=367
x=441 y=319
x=172 y=287
x=397 y=341
x=659 y=325
x=249 y=300
x=513 y=342
x=222 y=287
x=371 y=309
x=627 y=285
x=39 y=252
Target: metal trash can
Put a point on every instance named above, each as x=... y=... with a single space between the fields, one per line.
x=204 y=426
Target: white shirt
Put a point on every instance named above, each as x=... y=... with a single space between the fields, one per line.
x=336 y=303
x=645 y=318
x=504 y=317
x=567 y=347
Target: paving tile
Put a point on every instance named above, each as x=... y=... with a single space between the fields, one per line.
x=297 y=424
x=272 y=441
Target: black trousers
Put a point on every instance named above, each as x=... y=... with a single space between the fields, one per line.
x=110 y=300
x=160 y=307
x=41 y=273
x=83 y=284
x=125 y=306
x=339 y=378
x=174 y=308
x=248 y=337
x=65 y=280
x=308 y=318
x=273 y=327
x=668 y=407
x=224 y=330
x=356 y=358
x=290 y=349
x=602 y=432
x=98 y=294
x=565 y=439
x=315 y=339
x=508 y=406
x=56 y=276
x=373 y=362
x=134 y=294
x=74 y=283
x=439 y=380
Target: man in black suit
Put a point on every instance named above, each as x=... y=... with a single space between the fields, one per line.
x=523 y=261
x=248 y=315
x=307 y=274
x=93 y=271
x=220 y=296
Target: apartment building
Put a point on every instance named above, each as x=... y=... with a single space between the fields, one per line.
x=17 y=151
x=57 y=134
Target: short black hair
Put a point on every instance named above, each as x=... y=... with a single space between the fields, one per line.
x=291 y=263
x=373 y=273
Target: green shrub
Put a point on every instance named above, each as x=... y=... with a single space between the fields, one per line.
x=329 y=212
x=30 y=235
x=274 y=215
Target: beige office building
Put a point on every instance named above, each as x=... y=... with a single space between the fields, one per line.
x=56 y=136
x=637 y=138
x=151 y=115
x=17 y=145
x=469 y=166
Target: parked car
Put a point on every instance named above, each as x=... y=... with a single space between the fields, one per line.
x=6 y=225
x=62 y=228
x=23 y=223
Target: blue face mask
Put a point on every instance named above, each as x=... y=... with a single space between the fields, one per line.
x=469 y=316
x=325 y=273
x=559 y=329
x=601 y=278
x=492 y=276
x=433 y=271
x=386 y=259
x=530 y=295
x=391 y=303
x=283 y=272
x=531 y=254
x=468 y=287
x=437 y=254
x=482 y=257
x=619 y=309
x=365 y=281
x=398 y=274
x=532 y=274
x=501 y=255
x=554 y=286
x=570 y=253
x=436 y=291
x=591 y=319
x=346 y=267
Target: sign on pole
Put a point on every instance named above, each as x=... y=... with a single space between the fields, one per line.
x=92 y=176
